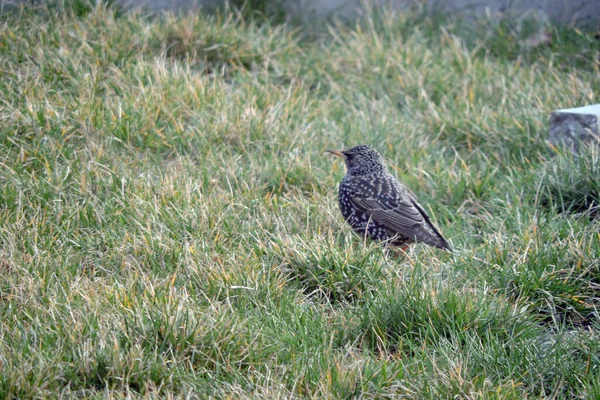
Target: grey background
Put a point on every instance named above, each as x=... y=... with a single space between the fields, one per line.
x=567 y=12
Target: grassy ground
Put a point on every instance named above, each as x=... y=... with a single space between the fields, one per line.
x=169 y=226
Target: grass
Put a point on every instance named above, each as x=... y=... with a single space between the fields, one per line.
x=169 y=226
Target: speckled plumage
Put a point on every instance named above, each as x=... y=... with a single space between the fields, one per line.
x=377 y=206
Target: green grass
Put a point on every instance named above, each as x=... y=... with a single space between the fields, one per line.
x=169 y=226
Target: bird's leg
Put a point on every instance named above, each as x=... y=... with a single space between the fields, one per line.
x=401 y=251
x=398 y=251
x=404 y=248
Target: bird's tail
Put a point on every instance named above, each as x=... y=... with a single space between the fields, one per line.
x=444 y=245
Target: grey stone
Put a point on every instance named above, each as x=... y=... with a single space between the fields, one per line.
x=572 y=127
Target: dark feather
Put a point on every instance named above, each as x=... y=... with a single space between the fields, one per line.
x=376 y=205
x=398 y=211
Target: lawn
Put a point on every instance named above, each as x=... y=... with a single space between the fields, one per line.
x=169 y=222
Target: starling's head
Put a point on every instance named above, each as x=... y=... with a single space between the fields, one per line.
x=361 y=160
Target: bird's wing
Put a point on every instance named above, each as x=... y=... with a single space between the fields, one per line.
x=395 y=207
x=398 y=214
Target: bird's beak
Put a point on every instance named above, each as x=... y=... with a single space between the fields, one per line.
x=337 y=153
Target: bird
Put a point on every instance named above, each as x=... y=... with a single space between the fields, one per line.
x=377 y=206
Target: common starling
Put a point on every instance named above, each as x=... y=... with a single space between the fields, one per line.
x=377 y=206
